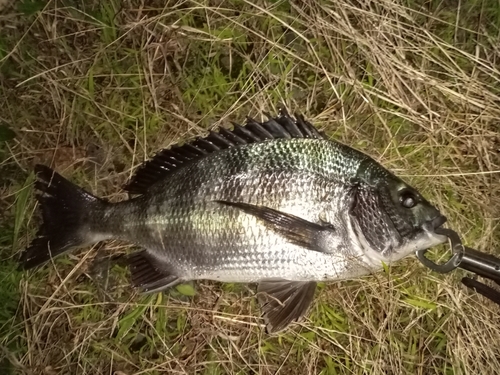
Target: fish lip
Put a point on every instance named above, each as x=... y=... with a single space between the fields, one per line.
x=438 y=222
x=431 y=225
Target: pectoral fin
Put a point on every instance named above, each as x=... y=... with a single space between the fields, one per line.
x=298 y=231
x=283 y=302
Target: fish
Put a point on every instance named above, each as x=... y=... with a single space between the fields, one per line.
x=275 y=203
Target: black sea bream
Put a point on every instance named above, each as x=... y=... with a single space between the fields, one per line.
x=273 y=203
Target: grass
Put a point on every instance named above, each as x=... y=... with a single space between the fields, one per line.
x=94 y=88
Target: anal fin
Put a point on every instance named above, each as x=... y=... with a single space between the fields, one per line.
x=148 y=274
x=283 y=301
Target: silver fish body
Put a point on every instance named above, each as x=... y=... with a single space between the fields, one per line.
x=282 y=207
x=183 y=224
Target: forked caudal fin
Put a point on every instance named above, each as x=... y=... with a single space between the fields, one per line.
x=66 y=211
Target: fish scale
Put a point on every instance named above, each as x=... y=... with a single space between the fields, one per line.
x=209 y=232
x=273 y=202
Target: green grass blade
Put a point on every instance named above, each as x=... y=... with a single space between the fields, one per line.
x=21 y=207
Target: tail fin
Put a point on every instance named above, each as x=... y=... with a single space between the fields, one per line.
x=66 y=211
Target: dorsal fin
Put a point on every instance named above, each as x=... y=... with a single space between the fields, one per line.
x=168 y=160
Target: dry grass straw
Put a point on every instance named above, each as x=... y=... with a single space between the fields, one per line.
x=95 y=89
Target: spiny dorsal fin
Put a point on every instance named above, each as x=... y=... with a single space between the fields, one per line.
x=168 y=160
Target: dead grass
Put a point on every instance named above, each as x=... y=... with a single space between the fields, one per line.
x=95 y=87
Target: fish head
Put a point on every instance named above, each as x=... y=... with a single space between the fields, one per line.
x=392 y=218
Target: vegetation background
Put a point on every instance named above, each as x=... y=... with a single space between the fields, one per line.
x=93 y=88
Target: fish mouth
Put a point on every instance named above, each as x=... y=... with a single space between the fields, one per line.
x=432 y=225
x=437 y=222
x=428 y=236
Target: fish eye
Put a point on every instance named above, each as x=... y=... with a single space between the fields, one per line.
x=407 y=199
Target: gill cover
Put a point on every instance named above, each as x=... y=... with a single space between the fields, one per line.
x=388 y=211
x=372 y=221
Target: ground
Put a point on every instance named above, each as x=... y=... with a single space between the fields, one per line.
x=93 y=88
